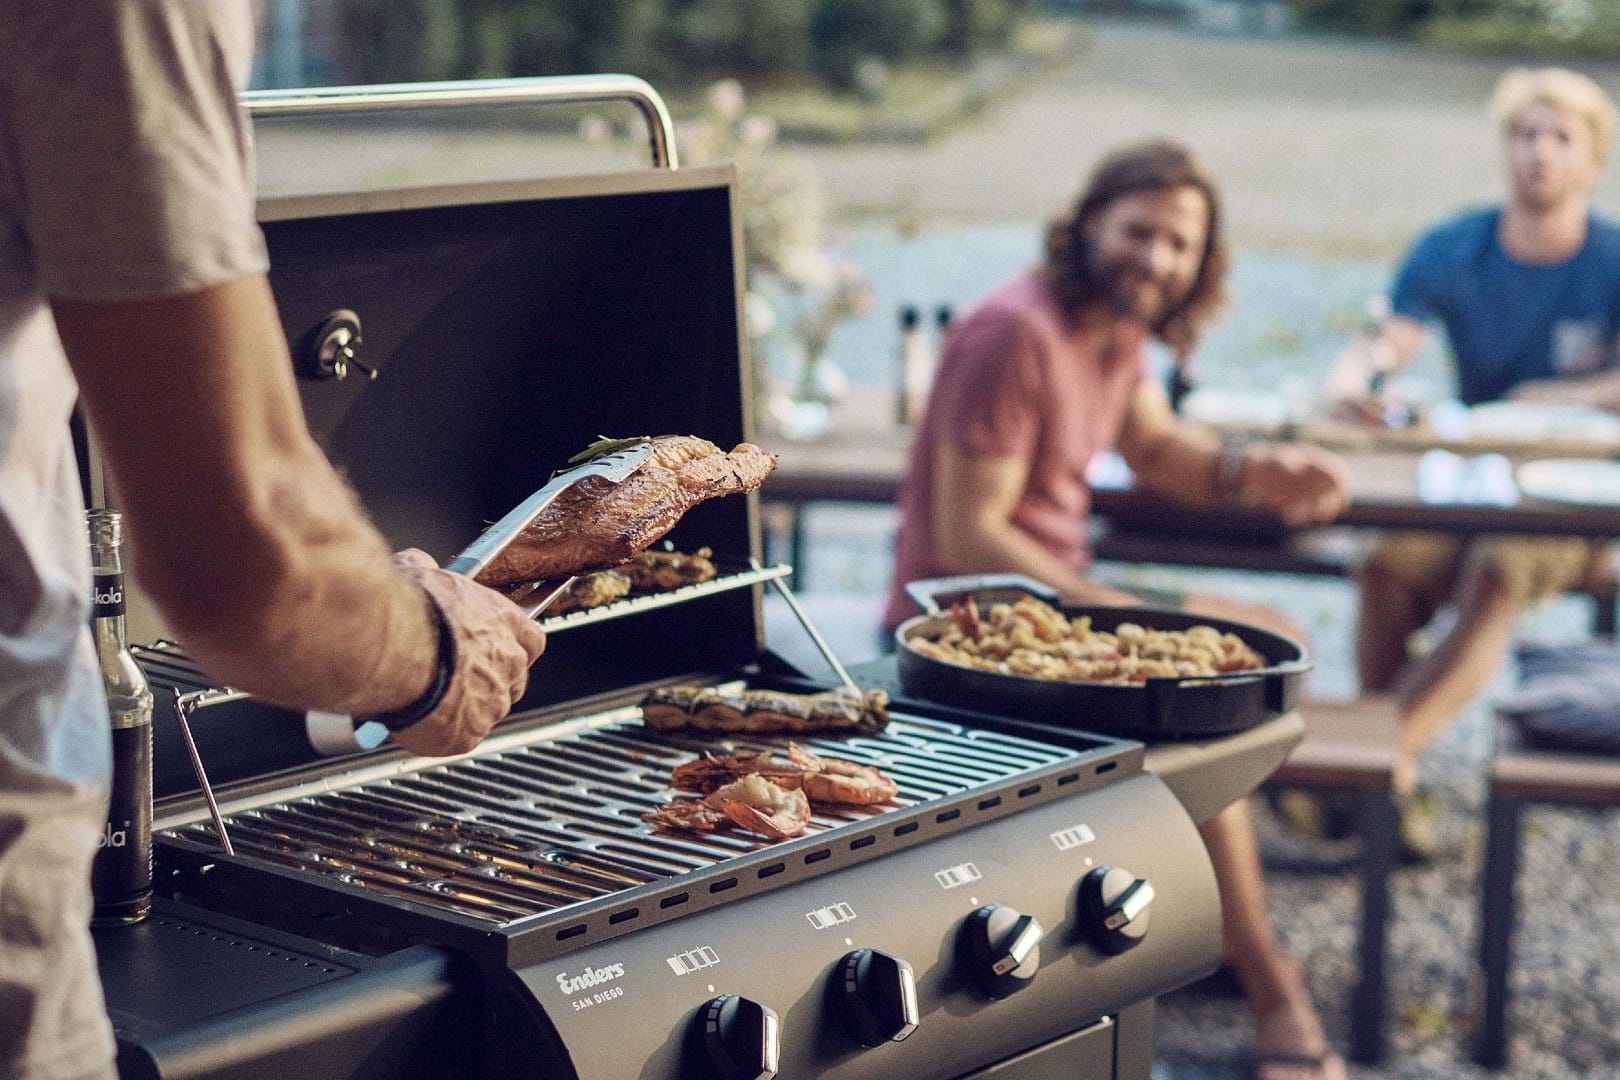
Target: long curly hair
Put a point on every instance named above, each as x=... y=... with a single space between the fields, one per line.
x=1157 y=165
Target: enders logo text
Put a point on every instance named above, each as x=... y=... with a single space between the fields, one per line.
x=573 y=984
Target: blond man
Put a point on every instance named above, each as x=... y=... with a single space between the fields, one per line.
x=1529 y=296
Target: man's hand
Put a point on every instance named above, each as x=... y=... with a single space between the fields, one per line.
x=1304 y=484
x=495 y=644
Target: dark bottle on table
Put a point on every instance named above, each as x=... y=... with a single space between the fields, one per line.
x=121 y=876
x=910 y=368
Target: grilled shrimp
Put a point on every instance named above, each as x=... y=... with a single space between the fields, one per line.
x=692 y=814
x=965 y=614
x=761 y=806
x=712 y=771
x=834 y=780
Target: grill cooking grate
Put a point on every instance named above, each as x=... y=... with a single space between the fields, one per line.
x=557 y=821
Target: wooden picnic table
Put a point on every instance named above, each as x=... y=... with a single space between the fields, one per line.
x=863 y=457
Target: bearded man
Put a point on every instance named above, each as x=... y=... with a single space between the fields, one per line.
x=1048 y=370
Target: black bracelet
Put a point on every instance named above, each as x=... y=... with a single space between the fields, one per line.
x=403 y=717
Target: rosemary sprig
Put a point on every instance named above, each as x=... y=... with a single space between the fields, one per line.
x=605 y=444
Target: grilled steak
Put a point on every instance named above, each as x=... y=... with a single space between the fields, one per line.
x=765 y=711
x=596 y=524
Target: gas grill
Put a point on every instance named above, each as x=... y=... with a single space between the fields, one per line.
x=508 y=913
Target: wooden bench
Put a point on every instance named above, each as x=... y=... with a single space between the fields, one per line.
x=1519 y=779
x=1349 y=750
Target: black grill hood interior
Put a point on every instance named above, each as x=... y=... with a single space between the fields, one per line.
x=510 y=325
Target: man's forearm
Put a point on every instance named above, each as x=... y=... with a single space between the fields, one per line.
x=257 y=554
x=1184 y=466
x=1601 y=391
x=297 y=604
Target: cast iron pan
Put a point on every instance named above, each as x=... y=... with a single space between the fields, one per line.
x=1190 y=707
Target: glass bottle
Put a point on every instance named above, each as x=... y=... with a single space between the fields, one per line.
x=121 y=876
x=913 y=362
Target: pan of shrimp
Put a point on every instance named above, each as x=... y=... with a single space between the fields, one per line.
x=1006 y=644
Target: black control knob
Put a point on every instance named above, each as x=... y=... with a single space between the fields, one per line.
x=1001 y=949
x=878 y=995
x=733 y=1038
x=1115 y=906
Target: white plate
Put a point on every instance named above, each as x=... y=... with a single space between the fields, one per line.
x=1572 y=480
x=1550 y=420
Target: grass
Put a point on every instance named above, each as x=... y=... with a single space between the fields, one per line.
x=920 y=100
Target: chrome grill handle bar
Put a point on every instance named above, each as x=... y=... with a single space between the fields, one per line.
x=539 y=90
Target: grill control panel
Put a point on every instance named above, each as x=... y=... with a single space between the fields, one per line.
x=932 y=961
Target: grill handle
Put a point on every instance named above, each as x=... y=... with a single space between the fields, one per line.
x=928 y=592
x=542 y=90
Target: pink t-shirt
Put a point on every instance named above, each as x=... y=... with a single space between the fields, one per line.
x=1015 y=380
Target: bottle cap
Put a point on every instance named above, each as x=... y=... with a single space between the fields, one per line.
x=106 y=526
x=910 y=317
x=942 y=315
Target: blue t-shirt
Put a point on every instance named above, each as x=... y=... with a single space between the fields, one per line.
x=1510 y=322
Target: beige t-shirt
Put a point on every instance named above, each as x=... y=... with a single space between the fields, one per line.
x=125 y=173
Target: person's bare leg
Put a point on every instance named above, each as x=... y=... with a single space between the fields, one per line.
x=1443 y=683
x=1389 y=614
x=1285 y=1020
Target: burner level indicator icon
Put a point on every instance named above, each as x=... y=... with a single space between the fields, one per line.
x=960 y=874
x=833 y=915
x=692 y=960
x=1072 y=837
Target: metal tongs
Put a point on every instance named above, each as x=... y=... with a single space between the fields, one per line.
x=614 y=467
x=336 y=733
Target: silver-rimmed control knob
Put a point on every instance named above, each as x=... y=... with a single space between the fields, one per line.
x=1001 y=949
x=1115 y=908
x=734 y=1038
x=878 y=995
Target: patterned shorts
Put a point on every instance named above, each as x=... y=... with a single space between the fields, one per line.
x=1534 y=568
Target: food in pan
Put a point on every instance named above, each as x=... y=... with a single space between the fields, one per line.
x=1032 y=638
x=710 y=708
x=760 y=792
x=596 y=524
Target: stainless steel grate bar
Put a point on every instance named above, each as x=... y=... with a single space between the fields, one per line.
x=537 y=827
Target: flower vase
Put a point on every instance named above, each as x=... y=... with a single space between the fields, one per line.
x=803 y=410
